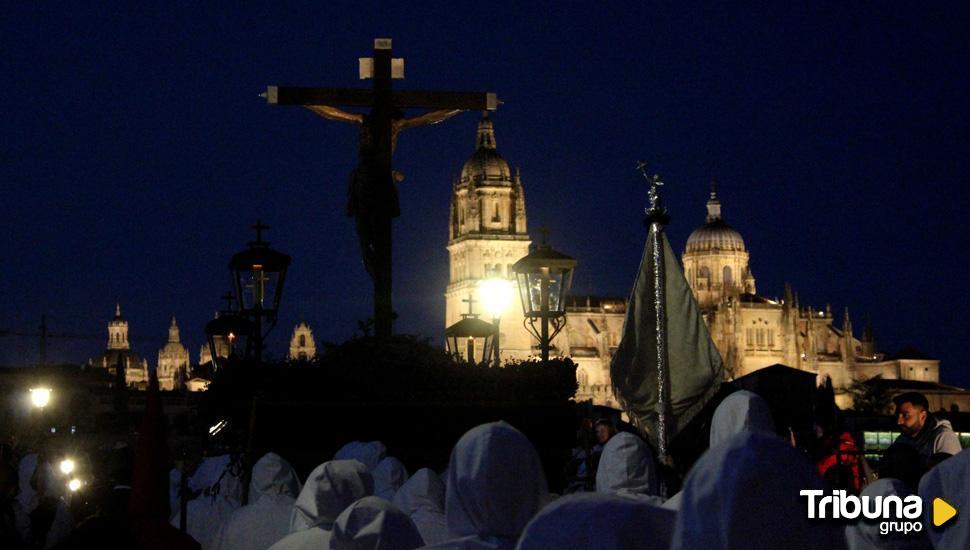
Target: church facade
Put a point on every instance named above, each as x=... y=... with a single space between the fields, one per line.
x=488 y=233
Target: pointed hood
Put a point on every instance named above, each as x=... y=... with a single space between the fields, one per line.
x=864 y=535
x=495 y=484
x=273 y=475
x=422 y=491
x=389 y=475
x=370 y=453
x=422 y=498
x=588 y=521
x=948 y=480
x=330 y=487
x=744 y=493
x=691 y=367
x=742 y=411
x=373 y=523
x=627 y=468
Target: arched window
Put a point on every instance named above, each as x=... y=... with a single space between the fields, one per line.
x=727 y=276
x=705 y=272
x=303 y=340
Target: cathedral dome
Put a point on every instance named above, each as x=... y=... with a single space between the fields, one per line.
x=715 y=235
x=486 y=166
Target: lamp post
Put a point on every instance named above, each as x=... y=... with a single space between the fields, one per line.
x=496 y=295
x=544 y=278
x=466 y=331
x=233 y=330
x=258 y=274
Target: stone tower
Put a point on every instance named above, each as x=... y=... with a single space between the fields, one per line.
x=715 y=259
x=118 y=331
x=302 y=345
x=486 y=235
x=173 y=360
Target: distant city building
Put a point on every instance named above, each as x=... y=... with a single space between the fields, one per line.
x=173 y=360
x=118 y=352
x=302 y=345
x=487 y=234
x=222 y=349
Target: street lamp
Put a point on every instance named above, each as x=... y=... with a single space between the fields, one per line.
x=496 y=296
x=544 y=278
x=40 y=397
x=258 y=274
x=232 y=330
x=465 y=332
x=67 y=466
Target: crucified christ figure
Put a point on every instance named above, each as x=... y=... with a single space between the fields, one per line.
x=372 y=196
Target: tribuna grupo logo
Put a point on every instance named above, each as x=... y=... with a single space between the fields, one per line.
x=895 y=514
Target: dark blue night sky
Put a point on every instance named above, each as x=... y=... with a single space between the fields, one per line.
x=135 y=152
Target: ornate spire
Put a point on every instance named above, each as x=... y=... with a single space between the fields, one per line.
x=713 y=204
x=118 y=309
x=173 y=332
x=486 y=133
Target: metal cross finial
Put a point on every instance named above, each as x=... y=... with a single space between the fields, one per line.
x=545 y=234
x=259 y=227
x=229 y=298
x=471 y=301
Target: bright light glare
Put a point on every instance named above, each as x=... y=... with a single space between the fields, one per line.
x=496 y=296
x=74 y=484
x=67 y=466
x=40 y=397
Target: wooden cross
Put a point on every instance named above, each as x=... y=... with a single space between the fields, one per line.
x=373 y=199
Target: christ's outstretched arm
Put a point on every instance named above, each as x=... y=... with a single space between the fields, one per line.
x=431 y=117
x=334 y=113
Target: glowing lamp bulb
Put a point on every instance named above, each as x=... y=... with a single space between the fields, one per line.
x=40 y=397
x=74 y=485
x=67 y=466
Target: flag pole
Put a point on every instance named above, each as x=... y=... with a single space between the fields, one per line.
x=656 y=219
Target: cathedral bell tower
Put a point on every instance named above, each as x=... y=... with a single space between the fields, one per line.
x=118 y=331
x=487 y=234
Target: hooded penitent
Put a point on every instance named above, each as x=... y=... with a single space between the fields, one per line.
x=495 y=486
x=627 y=468
x=864 y=534
x=595 y=521
x=273 y=489
x=744 y=493
x=389 y=475
x=373 y=523
x=742 y=411
x=370 y=453
x=330 y=488
x=422 y=498
x=948 y=480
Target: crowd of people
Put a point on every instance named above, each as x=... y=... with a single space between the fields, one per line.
x=743 y=492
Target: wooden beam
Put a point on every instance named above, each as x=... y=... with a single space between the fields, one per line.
x=299 y=95
x=479 y=101
x=354 y=97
